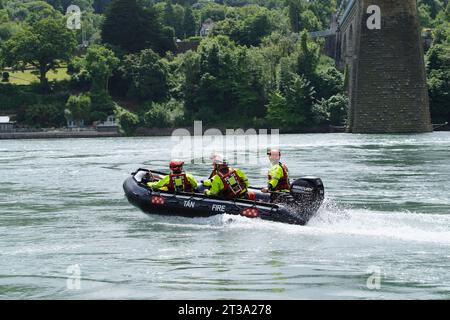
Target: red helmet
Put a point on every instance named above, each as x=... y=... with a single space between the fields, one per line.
x=176 y=165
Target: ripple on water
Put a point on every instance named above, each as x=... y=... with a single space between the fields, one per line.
x=61 y=204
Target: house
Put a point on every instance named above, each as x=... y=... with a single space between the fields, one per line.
x=72 y=124
x=109 y=125
x=5 y=124
x=206 y=28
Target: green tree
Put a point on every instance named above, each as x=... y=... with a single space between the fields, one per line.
x=132 y=28
x=434 y=6
x=441 y=34
x=57 y=4
x=309 y=21
x=128 y=121
x=21 y=11
x=222 y=82
x=255 y=28
x=91 y=28
x=158 y=116
x=438 y=57
x=78 y=107
x=169 y=15
x=100 y=5
x=438 y=67
x=323 y=10
x=189 y=24
x=147 y=74
x=274 y=48
x=44 y=115
x=328 y=81
x=248 y=91
x=425 y=16
x=308 y=57
x=247 y=27
x=293 y=108
x=294 y=7
x=277 y=110
x=102 y=105
x=43 y=45
x=7 y=30
x=100 y=63
x=4 y=18
x=300 y=100
x=439 y=91
x=285 y=75
x=333 y=110
x=213 y=11
x=190 y=77
x=443 y=16
x=38 y=10
x=172 y=16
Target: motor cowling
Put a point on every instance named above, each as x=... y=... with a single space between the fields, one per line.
x=308 y=192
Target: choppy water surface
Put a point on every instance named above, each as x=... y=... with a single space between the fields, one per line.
x=387 y=209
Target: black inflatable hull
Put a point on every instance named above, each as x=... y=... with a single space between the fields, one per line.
x=306 y=200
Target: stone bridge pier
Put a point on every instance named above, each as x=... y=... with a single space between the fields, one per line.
x=379 y=42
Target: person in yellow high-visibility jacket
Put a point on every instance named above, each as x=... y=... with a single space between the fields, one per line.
x=278 y=176
x=228 y=182
x=176 y=181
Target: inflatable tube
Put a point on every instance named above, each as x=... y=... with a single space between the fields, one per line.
x=295 y=208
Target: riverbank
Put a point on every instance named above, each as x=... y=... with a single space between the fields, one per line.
x=57 y=135
x=140 y=132
x=153 y=132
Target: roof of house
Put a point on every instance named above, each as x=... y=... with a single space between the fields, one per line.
x=4 y=119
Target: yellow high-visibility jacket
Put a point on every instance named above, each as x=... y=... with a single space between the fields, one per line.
x=164 y=183
x=278 y=178
x=217 y=185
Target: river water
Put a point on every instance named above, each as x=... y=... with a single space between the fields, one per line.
x=67 y=231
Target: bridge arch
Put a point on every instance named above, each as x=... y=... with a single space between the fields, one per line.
x=344 y=47
x=350 y=41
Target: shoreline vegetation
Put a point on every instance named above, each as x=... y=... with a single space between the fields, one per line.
x=153 y=132
x=140 y=132
x=166 y=63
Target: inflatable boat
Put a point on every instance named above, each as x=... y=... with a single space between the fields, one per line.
x=297 y=207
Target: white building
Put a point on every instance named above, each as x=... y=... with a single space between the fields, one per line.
x=206 y=28
x=108 y=125
x=6 y=124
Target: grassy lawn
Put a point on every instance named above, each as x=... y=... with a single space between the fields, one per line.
x=27 y=77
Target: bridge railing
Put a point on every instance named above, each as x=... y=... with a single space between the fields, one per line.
x=321 y=34
x=347 y=11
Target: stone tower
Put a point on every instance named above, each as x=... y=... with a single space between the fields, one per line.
x=388 y=91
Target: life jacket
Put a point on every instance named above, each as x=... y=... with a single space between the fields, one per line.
x=283 y=182
x=179 y=182
x=213 y=173
x=234 y=185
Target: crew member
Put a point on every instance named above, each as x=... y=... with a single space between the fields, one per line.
x=176 y=181
x=214 y=158
x=278 y=174
x=227 y=182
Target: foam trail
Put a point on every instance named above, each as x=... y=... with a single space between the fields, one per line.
x=406 y=226
x=337 y=219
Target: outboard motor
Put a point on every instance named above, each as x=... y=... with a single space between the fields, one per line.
x=308 y=192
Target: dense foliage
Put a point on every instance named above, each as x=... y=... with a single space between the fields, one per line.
x=250 y=63
x=438 y=59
